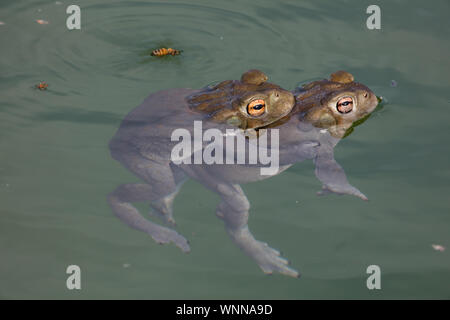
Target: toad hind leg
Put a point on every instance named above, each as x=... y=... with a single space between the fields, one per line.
x=120 y=202
x=163 y=208
x=233 y=210
x=160 y=184
x=235 y=215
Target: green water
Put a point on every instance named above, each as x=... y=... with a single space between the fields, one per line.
x=55 y=167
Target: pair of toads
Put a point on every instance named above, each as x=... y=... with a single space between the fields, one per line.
x=311 y=120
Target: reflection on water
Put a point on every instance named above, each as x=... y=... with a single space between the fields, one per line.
x=56 y=170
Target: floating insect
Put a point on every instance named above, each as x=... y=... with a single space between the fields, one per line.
x=40 y=21
x=42 y=86
x=164 y=52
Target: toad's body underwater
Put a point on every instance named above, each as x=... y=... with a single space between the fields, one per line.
x=311 y=121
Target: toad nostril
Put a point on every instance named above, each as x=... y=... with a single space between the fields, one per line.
x=366 y=95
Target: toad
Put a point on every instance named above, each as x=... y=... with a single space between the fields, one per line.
x=323 y=112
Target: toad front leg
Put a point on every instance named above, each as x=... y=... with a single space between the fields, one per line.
x=233 y=210
x=333 y=177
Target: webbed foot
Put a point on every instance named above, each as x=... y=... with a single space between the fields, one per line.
x=164 y=236
x=269 y=261
x=267 y=258
x=342 y=189
x=163 y=211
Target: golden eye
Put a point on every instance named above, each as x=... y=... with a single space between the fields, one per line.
x=345 y=105
x=256 y=107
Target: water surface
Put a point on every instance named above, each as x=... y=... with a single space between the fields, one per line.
x=55 y=167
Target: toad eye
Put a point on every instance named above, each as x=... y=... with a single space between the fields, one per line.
x=345 y=105
x=256 y=107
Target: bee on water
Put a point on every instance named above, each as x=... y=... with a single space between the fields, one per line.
x=161 y=52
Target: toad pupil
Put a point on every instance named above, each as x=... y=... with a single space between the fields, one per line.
x=345 y=105
x=256 y=108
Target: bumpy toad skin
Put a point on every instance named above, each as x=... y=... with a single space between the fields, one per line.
x=310 y=131
x=229 y=101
